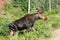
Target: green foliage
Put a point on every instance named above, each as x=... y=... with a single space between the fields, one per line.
x=20 y=3
x=42 y=28
x=53 y=11
x=44 y=4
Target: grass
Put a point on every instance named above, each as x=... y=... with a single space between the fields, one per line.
x=43 y=28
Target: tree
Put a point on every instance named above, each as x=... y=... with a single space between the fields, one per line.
x=50 y=5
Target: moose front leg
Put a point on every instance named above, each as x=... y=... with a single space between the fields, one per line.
x=33 y=28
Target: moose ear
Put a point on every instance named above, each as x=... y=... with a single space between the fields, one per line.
x=40 y=11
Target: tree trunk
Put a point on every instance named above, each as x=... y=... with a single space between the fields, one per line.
x=50 y=5
x=28 y=6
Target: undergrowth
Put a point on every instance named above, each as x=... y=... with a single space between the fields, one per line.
x=42 y=28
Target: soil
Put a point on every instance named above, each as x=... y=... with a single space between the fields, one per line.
x=56 y=35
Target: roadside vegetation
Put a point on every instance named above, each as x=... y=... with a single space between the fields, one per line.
x=42 y=28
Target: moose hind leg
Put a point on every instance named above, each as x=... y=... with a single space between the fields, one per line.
x=11 y=32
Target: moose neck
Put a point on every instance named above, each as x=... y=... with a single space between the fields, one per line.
x=36 y=16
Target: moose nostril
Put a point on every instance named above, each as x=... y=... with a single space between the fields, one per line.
x=46 y=18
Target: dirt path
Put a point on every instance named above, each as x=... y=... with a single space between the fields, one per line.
x=56 y=35
x=2 y=2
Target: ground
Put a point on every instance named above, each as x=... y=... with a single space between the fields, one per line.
x=56 y=35
x=2 y=3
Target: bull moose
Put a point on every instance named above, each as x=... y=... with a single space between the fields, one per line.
x=26 y=22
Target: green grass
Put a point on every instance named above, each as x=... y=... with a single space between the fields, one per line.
x=43 y=28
